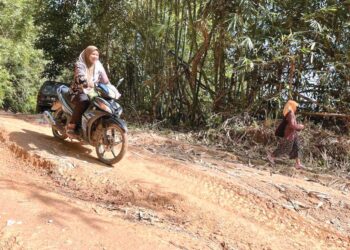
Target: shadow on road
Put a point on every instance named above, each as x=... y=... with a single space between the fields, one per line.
x=61 y=212
x=32 y=141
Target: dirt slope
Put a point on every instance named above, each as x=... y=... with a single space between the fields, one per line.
x=164 y=194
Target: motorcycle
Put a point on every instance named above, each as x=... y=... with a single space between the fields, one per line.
x=101 y=125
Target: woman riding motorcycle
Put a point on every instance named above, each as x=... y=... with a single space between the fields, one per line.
x=88 y=72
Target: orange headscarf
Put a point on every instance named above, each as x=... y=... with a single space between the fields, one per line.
x=290 y=106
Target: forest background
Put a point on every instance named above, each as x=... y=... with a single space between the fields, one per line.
x=203 y=65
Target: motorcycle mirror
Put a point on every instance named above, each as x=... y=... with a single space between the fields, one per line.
x=120 y=81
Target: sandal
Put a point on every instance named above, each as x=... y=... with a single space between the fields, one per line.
x=70 y=131
x=300 y=167
x=270 y=159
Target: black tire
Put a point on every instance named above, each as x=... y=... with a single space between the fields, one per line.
x=124 y=144
x=56 y=133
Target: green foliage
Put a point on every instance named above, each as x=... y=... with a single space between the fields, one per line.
x=20 y=63
x=185 y=60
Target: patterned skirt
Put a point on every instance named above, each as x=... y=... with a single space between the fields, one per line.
x=292 y=148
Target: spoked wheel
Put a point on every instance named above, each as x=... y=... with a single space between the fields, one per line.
x=112 y=144
x=56 y=133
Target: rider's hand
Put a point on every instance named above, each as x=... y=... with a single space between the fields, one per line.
x=82 y=80
x=85 y=85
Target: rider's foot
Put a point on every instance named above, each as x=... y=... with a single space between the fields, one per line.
x=71 y=131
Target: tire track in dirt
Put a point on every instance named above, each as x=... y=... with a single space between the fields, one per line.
x=29 y=200
x=251 y=209
x=127 y=201
x=113 y=191
x=210 y=205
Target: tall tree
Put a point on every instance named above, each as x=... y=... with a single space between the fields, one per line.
x=187 y=59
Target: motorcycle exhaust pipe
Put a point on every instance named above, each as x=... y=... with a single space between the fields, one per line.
x=48 y=117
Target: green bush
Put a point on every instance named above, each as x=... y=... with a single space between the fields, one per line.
x=21 y=64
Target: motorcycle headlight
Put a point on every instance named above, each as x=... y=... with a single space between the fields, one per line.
x=105 y=108
x=103 y=105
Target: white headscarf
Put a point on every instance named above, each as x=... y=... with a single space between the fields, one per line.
x=93 y=73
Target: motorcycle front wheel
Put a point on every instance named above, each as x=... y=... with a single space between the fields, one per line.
x=111 y=144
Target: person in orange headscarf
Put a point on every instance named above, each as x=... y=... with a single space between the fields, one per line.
x=289 y=143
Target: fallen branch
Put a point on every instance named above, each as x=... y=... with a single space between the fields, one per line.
x=323 y=114
x=319 y=195
x=280 y=188
x=297 y=205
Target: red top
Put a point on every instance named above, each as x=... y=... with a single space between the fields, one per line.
x=292 y=127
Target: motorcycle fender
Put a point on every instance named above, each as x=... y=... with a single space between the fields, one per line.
x=91 y=117
x=120 y=122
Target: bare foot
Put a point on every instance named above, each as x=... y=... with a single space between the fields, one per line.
x=299 y=167
x=72 y=134
x=270 y=158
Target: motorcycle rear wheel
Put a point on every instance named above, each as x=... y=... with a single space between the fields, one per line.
x=56 y=133
x=112 y=138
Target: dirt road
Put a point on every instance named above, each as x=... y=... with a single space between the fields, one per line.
x=165 y=194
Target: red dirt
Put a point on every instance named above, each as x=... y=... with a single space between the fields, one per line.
x=164 y=194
